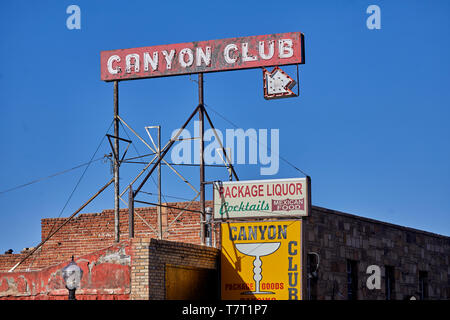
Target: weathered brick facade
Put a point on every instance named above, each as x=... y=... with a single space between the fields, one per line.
x=106 y=276
x=92 y=231
x=149 y=273
x=415 y=257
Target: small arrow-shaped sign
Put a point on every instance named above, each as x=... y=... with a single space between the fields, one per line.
x=277 y=84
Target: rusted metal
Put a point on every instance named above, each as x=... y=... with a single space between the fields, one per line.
x=166 y=206
x=163 y=160
x=221 y=145
x=201 y=112
x=116 y=156
x=203 y=56
x=165 y=150
x=130 y=213
x=62 y=225
x=160 y=232
x=116 y=163
x=278 y=84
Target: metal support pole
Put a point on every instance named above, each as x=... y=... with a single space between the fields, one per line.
x=160 y=231
x=202 y=167
x=164 y=151
x=116 y=162
x=221 y=145
x=130 y=213
x=72 y=294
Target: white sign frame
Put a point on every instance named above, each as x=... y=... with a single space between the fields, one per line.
x=269 y=198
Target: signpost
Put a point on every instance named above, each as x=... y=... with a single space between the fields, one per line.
x=262 y=198
x=212 y=56
x=203 y=56
x=277 y=84
x=261 y=260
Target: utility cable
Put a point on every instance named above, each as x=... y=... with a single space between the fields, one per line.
x=84 y=172
x=77 y=184
x=250 y=137
x=50 y=176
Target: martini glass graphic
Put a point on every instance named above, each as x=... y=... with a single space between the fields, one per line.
x=257 y=250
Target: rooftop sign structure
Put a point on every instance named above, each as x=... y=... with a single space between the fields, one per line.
x=262 y=198
x=203 y=56
x=277 y=84
x=261 y=260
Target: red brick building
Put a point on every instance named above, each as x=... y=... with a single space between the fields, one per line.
x=413 y=262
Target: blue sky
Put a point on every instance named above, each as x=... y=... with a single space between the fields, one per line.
x=370 y=126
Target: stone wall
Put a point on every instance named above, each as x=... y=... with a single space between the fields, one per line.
x=338 y=237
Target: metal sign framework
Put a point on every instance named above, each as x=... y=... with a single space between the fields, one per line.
x=209 y=56
x=161 y=61
x=161 y=153
x=187 y=58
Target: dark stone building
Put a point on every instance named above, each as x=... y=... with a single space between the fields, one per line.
x=412 y=262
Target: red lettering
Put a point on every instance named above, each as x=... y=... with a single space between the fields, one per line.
x=254 y=191
x=240 y=194
x=247 y=191
x=285 y=190
x=299 y=188
x=278 y=189
x=233 y=189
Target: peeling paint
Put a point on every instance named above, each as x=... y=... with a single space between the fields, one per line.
x=107 y=276
x=115 y=257
x=203 y=56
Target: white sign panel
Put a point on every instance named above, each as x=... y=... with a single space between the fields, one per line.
x=262 y=198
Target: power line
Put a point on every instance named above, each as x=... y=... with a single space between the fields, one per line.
x=250 y=137
x=50 y=176
x=77 y=184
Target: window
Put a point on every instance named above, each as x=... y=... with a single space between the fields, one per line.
x=352 y=280
x=423 y=285
x=390 y=282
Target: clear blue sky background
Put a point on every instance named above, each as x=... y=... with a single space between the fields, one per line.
x=370 y=127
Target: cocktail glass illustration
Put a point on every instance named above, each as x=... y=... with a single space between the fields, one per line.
x=257 y=250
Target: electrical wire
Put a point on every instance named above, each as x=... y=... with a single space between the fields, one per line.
x=84 y=172
x=77 y=184
x=250 y=137
x=50 y=176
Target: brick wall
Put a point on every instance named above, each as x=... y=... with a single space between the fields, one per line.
x=92 y=231
x=106 y=276
x=151 y=258
x=337 y=236
x=140 y=269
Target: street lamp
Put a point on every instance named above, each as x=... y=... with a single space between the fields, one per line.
x=72 y=274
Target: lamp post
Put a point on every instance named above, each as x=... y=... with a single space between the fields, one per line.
x=72 y=274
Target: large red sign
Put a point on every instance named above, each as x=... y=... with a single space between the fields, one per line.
x=203 y=56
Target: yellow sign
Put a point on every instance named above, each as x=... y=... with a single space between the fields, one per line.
x=261 y=260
